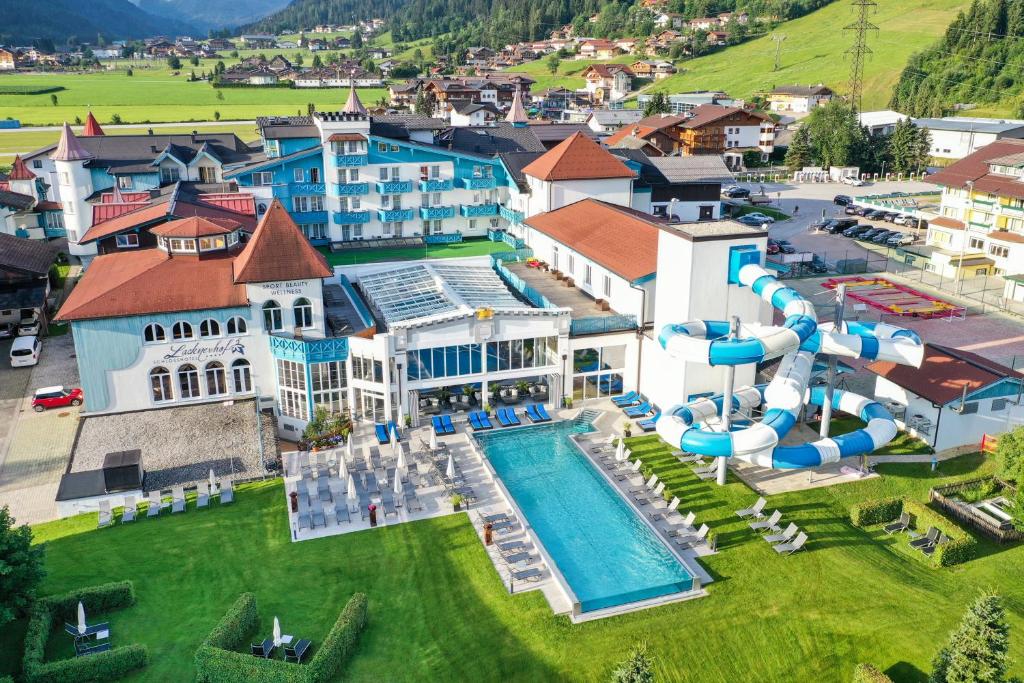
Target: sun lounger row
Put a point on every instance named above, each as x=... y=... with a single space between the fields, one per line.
x=385 y=432
x=640 y=410
x=480 y=421
x=784 y=541
x=442 y=424
x=132 y=508
x=631 y=398
x=537 y=413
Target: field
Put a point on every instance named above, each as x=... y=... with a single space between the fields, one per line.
x=439 y=612
x=471 y=247
x=568 y=75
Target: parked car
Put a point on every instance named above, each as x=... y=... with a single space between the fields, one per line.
x=842 y=199
x=852 y=180
x=841 y=224
x=747 y=220
x=7 y=330
x=856 y=231
x=883 y=237
x=764 y=218
x=819 y=225
x=900 y=239
x=29 y=327
x=889 y=216
x=876 y=215
x=863 y=210
x=56 y=397
x=851 y=209
x=736 y=192
x=818 y=265
x=869 y=233
x=903 y=219
x=25 y=351
x=785 y=247
x=773 y=247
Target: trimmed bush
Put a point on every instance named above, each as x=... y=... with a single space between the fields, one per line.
x=961 y=545
x=340 y=641
x=238 y=622
x=872 y=512
x=869 y=673
x=112 y=664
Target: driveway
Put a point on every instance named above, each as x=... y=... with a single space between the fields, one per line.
x=36 y=448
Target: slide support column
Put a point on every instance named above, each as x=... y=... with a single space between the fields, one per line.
x=730 y=381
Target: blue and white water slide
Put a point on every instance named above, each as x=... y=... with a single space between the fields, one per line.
x=695 y=426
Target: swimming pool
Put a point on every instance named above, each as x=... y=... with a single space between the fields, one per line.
x=606 y=553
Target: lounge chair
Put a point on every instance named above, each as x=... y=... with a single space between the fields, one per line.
x=610 y=463
x=649 y=484
x=387 y=501
x=639 y=411
x=294 y=653
x=438 y=427
x=537 y=413
x=178 y=499
x=264 y=649
x=930 y=549
x=446 y=422
x=323 y=489
x=694 y=539
x=155 y=501
x=227 y=491
x=656 y=494
x=531 y=574
x=754 y=510
x=411 y=501
x=691 y=458
x=667 y=512
x=317 y=515
x=513 y=547
x=901 y=524
x=710 y=472
x=128 y=513
x=770 y=524
x=484 y=420
x=106 y=516
x=606 y=444
x=513 y=419
x=785 y=537
x=392 y=427
x=650 y=424
x=792 y=546
x=632 y=469
x=520 y=558
x=928 y=539
x=382 y=434
x=684 y=527
x=493 y=518
x=702 y=468
x=341 y=512
x=504 y=526
x=629 y=399
x=202 y=495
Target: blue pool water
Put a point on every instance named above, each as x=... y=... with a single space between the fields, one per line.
x=607 y=554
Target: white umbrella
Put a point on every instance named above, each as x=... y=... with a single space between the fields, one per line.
x=398 y=483
x=277 y=633
x=401 y=462
x=213 y=482
x=451 y=466
x=349 y=453
x=433 y=440
x=394 y=438
x=620 y=451
x=81 y=618
x=352 y=494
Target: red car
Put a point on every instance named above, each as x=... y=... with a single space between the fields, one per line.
x=56 y=397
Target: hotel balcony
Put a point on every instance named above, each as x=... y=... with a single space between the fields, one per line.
x=349 y=160
x=348 y=217
x=511 y=215
x=309 y=216
x=351 y=189
x=283 y=190
x=478 y=183
x=430 y=212
x=478 y=210
x=393 y=215
x=394 y=186
x=435 y=185
x=309 y=350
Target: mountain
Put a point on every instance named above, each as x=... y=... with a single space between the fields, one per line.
x=977 y=61
x=213 y=13
x=59 y=20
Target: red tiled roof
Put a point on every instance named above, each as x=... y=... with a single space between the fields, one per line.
x=577 y=158
x=49 y=206
x=150 y=281
x=195 y=227
x=608 y=70
x=125 y=221
x=946 y=222
x=618 y=238
x=974 y=167
x=944 y=373
x=1006 y=236
x=232 y=201
x=20 y=171
x=636 y=130
x=709 y=113
x=347 y=137
x=112 y=197
x=92 y=126
x=279 y=251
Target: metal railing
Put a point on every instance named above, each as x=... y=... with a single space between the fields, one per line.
x=602 y=324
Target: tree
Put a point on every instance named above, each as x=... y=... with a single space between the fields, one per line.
x=553 y=63
x=834 y=132
x=799 y=153
x=357 y=40
x=298 y=60
x=174 y=62
x=216 y=116
x=425 y=103
x=636 y=668
x=906 y=151
x=193 y=60
x=977 y=651
x=317 y=62
x=1010 y=459
x=129 y=72
x=22 y=565
x=658 y=104
x=53 y=99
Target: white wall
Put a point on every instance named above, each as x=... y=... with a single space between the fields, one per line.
x=955 y=144
x=548 y=196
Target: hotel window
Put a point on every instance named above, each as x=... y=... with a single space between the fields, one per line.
x=445 y=361
x=181 y=330
x=437 y=227
x=188 y=381
x=315 y=231
x=65 y=179
x=37 y=163
x=291 y=382
x=520 y=354
x=350 y=175
x=316 y=203
x=394 y=148
x=160 y=384
x=273 y=321
x=124 y=182
x=328 y=386
x=262 y=178
x=587 y=273
x=382 y=147
x=154 y=334
x=169 y=174
x=314 y=175
x=209 y=328
x=977 y=243
x=298 y=175
x=211 y=243
x=494 y=223
x=607 y=289
x=571 y=267
x=367 y=369
x=999 y=251
x=69 y=208
x=241 y=376
x=472 y=224
x=303 y=312
x=300 y=204
x=236 y=325
x=216 y=380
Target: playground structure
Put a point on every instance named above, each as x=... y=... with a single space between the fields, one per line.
x=895 y=299
x=702 y=426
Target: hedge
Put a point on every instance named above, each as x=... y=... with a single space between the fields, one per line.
x=961 y=545
x=872 y=512
x=114 y=663
x=219 y=660
x=868 y=673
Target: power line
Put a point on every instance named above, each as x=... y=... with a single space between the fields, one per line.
x=859 y=50
x=778 y=39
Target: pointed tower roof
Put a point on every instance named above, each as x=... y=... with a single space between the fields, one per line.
x=516 y=113
x=70 y=148
x=20 y=171
x=577 y=158
x=92 y=126
x=278 y=251
x=353 y=105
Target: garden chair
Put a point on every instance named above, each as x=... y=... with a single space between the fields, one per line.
x=754 y=510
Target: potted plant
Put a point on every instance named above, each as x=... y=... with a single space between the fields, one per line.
x=522 y=386
x=457 y=502
x=493 y=389
x=627 y=429
x=487 y=408
x=408 y=421
x=567 y=401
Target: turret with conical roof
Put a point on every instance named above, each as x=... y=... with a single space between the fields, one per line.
x=353 y=105
x=74 y=184
x=21 y=179
x=69 y=148
x=92 y=126
x=517 y=113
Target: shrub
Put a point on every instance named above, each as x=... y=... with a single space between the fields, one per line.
x=869 y=673
x=238 y=622
x=961 y=545
x=871 y=512
x=340 y=641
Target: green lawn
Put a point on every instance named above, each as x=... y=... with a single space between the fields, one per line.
x=569 y=70
x=903 y=444
x=471 y=247
x=438 y=611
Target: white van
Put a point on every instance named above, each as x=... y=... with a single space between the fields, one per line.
x=25 y=351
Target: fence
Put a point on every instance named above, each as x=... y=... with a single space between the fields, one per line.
x=602 y=324
x=942 y=497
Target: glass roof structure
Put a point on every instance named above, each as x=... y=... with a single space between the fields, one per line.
x=423 y=290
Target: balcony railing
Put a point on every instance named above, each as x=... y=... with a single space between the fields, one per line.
x=309 y=350
x=351 y=189
x=348 y=217
x=602 y=324
x=478 y=183
x=435 y=185
x=348 y=160
x=393 y=215
x=394 y=186
x=511 y=215
x=309 y=216
x=478 y=210
x=445 y=238
x=432 y=212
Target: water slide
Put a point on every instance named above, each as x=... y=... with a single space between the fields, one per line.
x=696 y=427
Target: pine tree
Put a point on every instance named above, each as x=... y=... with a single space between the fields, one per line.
x=903 y=146
x=636 y=668
x=22 y=565
x=799 y=153
x=658 y=104
x=977 y=649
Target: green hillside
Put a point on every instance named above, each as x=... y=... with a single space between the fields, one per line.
x=813 y=52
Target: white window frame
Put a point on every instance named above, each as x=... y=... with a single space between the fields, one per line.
x=128 y=240
x=298 y=175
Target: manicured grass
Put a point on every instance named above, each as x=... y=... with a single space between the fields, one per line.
x=813 y=52
x=438 y=611
x=903 y=444
x=472 y=247
x=569 y=70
